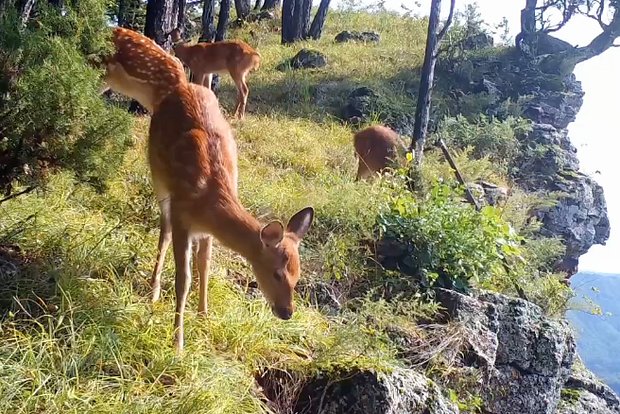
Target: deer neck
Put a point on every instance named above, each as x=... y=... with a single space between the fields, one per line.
x=181 y=49
x=237 y=229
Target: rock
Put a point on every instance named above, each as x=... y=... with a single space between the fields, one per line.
x=545 y=153
x=580 y=217
x=548 y=160
x=360 y=104
x=584 y=393
x=547 y=44
x=403 y=391
x=478 y=41
x=525 y=358
x=363 y=103
x=488 y=193
x=354 y=36
x=305 y=59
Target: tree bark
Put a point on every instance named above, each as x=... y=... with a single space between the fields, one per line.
x=304 y=13
x=25 y=10
x=271 y=5
x=208 y=21
x=179 y=10
x=243 y=8
x=427 y=77
x=288 y=21
x=222 y=22
x=160 y=20
x=316 y=29
x=525 y=40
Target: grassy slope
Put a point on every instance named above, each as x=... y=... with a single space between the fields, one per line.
x=100 y=346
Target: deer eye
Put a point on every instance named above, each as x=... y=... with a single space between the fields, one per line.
x=278 y=275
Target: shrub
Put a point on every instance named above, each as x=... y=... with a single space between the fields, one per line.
x=51 y=115
x=449 y=243
x=488 y=137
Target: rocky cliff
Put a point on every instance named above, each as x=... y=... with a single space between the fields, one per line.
x=509 y=355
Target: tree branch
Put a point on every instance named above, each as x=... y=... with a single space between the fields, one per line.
x=15 y=195
x=447 y=24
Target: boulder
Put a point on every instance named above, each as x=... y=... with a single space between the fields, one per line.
x=584 y=393
x=402 y=391
x=524 y=358
x=354 y=36
x=305 y=59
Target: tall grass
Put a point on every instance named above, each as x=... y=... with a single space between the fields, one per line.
x=79 y=334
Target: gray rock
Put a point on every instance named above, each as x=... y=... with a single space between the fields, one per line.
x=580 y=217
x=488 y=193
x=403 y=391
x=546 y=44
x=478 y=41
x=363 y=103
x=526 y=356
x=305 y=59
x=584 y=393
x=355 y=36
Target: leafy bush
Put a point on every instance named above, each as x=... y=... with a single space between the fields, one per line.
x=449 y=243
x=51 y=115
x=489 y=137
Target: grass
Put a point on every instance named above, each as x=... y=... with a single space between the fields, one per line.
x=79 y=334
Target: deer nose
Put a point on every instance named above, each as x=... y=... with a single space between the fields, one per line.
x=283 y=312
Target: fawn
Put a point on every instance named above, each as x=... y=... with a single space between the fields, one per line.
x=193 y=161
x=233 y=56
x=377 y=148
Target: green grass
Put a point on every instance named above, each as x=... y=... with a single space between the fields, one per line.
x=79 y=333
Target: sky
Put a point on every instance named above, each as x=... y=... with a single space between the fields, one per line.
x=595 y=130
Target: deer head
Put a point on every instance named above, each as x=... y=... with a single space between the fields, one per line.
x=277 y=268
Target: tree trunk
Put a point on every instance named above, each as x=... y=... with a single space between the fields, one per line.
x=179 y=10
x=208 y=21
x=160 y=20
x=25 y=10
x=303 y=21
x=288 y=21
x=427 y=77
x=316 y=29
x=271 y=5
x=257 y=5
x=222 y=22
x=220 y=34
x=525 y=41
x=423 y=107
x=243 y=8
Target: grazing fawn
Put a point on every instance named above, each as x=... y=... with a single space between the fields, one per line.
x=193 y=161
x=204 y=59
x=377 y=148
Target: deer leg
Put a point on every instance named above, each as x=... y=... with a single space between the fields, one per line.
x=207 y=80
x=203 y=262
x=245 y=91
x=242 y=96
x=181 y=245
x=165 y=237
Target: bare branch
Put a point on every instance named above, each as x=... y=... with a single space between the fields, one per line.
x=447 y=24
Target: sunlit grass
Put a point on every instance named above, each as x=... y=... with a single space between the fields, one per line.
x=92 y=342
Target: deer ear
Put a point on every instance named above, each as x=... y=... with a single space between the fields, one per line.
x=300 y=222
x=272 y=234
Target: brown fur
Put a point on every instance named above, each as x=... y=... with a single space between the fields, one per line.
x=233 y=56
x=193 y=160
x=377 y=148
x=140 y=69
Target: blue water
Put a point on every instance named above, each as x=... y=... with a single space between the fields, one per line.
x=598 y=336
